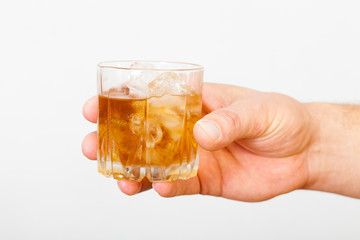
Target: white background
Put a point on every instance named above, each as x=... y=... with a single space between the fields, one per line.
x=48 y=53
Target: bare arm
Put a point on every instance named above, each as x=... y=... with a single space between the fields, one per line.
x=334 y=159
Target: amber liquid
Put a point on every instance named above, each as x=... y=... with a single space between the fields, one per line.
x=150 y=137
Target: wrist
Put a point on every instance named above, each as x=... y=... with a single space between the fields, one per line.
x=333 y=156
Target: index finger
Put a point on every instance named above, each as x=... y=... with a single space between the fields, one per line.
x=90 y=109
x=217 y=95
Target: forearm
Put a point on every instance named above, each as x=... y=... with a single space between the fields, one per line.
x=334 y=155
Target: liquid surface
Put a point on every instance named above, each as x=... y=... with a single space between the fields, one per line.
x=150 y=137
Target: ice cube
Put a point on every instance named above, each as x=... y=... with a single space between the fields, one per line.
x=139 y=77
x=167 y=83
x=138 y=71
x=118 y=91
x=136 y=88
x=136 y=123
x=155 y=133
x=129 y=90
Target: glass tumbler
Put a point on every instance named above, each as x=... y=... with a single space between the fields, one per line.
x=147 y=112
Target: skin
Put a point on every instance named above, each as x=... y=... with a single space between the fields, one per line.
x=255 y=146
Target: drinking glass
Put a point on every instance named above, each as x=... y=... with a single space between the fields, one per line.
x=147 y=112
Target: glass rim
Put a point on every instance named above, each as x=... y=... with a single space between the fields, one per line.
x=194 y=67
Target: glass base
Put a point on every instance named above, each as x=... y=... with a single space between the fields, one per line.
x=153 y=173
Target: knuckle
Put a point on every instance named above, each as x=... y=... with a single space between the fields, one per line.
x=258 y=129
x=231 y=119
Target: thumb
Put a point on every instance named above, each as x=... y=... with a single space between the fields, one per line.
x=242 y=119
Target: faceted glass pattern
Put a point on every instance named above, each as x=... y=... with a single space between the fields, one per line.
x=153 y=136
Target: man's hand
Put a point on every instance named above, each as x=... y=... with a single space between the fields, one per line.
x=253 y=146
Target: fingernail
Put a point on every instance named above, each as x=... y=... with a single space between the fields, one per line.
x=209 y=128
